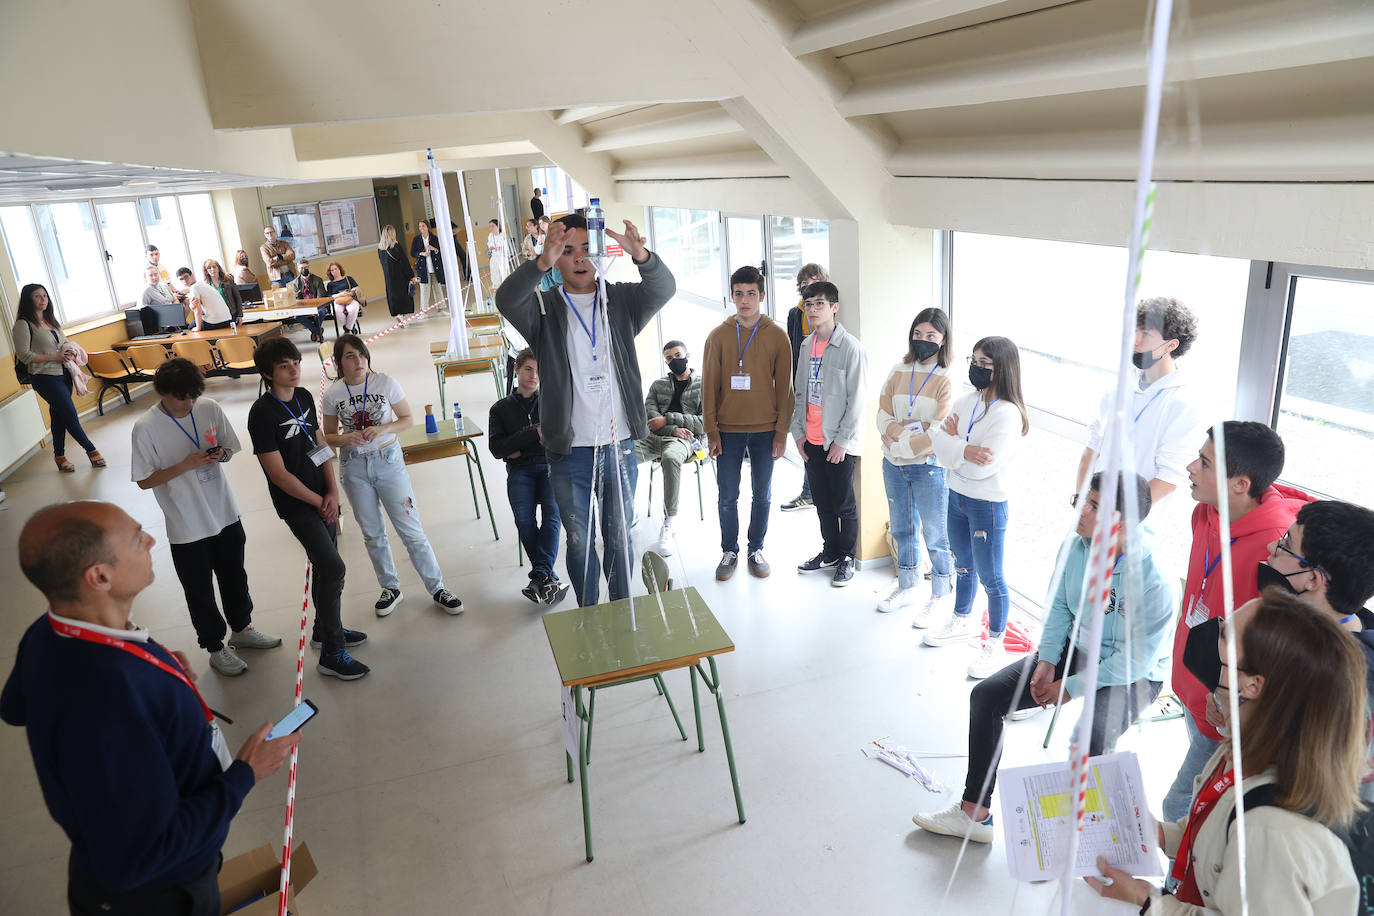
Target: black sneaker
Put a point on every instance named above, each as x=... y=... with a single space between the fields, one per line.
x=448 y=601
x=352 y=639
x=342 y=666
x=531 y=591
x=816 y=563
x=552 y=592
x=844 y=572
x=801 y=502
x=387 y=601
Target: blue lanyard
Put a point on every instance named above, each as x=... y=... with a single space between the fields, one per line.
x=968 y=433
x=816 y=360
x=195 y=440
x=300 y=421
x=913 y=392
x=366 y=378
x=1147 y=405
x=1208 y=564
x=591 y=334
x=745 y=348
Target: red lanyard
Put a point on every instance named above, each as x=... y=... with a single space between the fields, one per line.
x=104 y=639
x=1212 y=791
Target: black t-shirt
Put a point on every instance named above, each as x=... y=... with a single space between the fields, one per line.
x=273 y=429
x=679 y=386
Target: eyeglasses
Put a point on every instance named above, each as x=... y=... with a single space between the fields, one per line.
x=983 y=363
x=1282 y=544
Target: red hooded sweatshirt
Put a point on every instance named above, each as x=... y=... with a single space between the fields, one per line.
x=1251 y=535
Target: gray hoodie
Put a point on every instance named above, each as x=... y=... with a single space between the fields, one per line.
x=542 y=319
x=844 y=370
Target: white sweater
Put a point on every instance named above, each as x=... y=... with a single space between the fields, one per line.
x=999 y=430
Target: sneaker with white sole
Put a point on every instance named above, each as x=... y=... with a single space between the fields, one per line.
x=1021 y=715
x=342 y=666
x=352 y=639
x=552 y=591
x=897 y=599
x=844 y=572
x=664 y=547
x=801 y=502
x=387 y=602
x=989 y=659
x=954 y=630
x=726 y=567
x=448 y=601
x=954 y=822
x=933 y=611
x=249 y=638
x=758 y=566
x=817 y=563
x=226 y=662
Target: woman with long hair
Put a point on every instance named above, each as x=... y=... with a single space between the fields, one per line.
x=243 y=275
x=498 y=253
x=1301 y=692
x=38 y=341
x=363 y=412
x=974 y=443
x=915 y=399
x=222 y=283
x=348 y=296
x=397 y=274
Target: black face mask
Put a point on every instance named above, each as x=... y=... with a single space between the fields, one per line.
x=1145 y=360
x=677 y=365
x=925 y=349
x=979 y=377
x=1268 y=576
x=1200 y=654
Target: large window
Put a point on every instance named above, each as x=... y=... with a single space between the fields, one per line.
x=689 y=242
x=1326 y=404
x=561 y=194
x=796 y=241
x=90 y=255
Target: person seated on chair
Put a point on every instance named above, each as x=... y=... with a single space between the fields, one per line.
x=1326 y=558
x=207 y=305
x=673 y=406
x=349 y=300
x=1135 y=656
x=243 y=274
x=310 y=286
x=513 y=436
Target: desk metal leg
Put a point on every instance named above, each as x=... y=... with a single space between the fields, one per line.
x=486 y=495
x=714 y=684
x=582 y=736
x=570 y=766
x=696 y=709
x=591 y=720
x=663 y=689
x=443 y=396
x=476 y=506
x=496 y=376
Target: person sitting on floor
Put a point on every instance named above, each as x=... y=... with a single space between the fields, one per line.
x=1135 y=655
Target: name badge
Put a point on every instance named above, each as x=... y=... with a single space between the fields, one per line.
x=739 y=383
x=595 y=383
x=813 y=392
x=320 y=454
x=916 y=426
x=1197 y=614
x=207 y=474
x=220 y=746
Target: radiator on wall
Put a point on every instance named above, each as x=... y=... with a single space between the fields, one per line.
x=21 y=428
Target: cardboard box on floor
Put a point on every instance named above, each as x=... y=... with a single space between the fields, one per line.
x=248 y=884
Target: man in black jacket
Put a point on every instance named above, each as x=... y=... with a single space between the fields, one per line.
x=513 y=436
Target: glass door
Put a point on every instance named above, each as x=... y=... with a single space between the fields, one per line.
x=124 y=252
x=744 y=245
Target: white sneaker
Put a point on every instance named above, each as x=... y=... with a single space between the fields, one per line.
x=1023 y=714
x=954 y=822
x=665 y=538
x=252 y=638
x=989 y=659
x=956 y=629
x=933 y=611
x=227 y=662
x=897 y=599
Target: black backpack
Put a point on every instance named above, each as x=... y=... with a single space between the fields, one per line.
x=1358 y=839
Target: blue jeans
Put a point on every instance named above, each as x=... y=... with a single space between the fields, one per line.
x=286 y=279
x=728 y=468
x=528 y=487
x=379 y=481
x=977 y=535
x=56 y=390
x=315 y=325
x=576 y=478
x=916 y=495
x=1180 y=794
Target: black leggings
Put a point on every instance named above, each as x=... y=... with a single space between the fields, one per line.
x=1114 y=711
x=57 y=391
x=327 y=576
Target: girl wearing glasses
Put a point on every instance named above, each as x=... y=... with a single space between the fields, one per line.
x=974 y=443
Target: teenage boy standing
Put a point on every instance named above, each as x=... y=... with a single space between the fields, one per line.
x=299 y=467
x=1260 y=513
x=746 y=405
x=673 y=406
x=178 y=447
x=591 y=412
x=830 y=383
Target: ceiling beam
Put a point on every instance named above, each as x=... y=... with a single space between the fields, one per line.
x=867 y=20
x=571 y=115
x=670 y=130
x=743 y=164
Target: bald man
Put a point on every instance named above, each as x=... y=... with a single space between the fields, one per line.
x=132 y=765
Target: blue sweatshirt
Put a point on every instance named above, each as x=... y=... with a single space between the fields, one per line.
x=1147 y=623
x=124 y=758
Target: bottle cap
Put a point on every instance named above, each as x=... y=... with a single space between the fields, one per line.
x=596 y=201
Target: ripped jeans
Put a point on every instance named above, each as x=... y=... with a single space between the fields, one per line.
x=977 y=534
x=378 y=480
x=584 y=489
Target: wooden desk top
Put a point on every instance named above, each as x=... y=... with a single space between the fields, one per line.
x=418 y=445
x=253 y=332
x=595 y=645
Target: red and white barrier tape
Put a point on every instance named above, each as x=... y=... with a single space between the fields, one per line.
x=295 y=752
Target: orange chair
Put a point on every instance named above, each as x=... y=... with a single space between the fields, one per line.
x=236 y=356
x=201 y=353
x=113 y=372
x=147 y=358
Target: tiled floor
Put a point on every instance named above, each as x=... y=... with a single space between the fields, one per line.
x=437 y=784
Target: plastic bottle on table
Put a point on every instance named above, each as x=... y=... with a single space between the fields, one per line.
x=457 y=416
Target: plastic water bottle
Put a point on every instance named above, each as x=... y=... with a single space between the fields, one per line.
x=457 y=416
x=596 y=229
